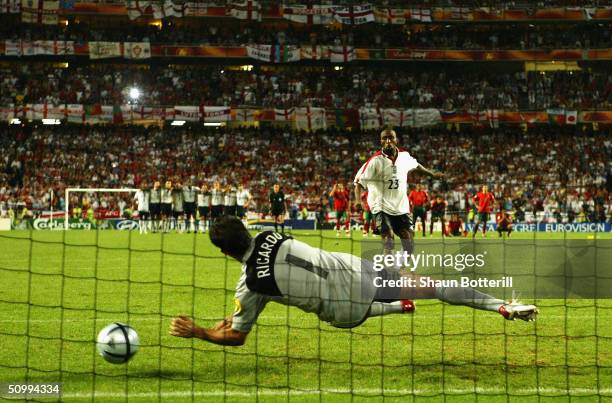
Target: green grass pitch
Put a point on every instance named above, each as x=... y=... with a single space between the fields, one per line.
x=61 y=288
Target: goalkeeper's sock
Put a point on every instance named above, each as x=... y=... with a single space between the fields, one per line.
x=469 y=297
x=385 y=308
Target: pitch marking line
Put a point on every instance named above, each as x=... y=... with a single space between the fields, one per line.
x=372 y=392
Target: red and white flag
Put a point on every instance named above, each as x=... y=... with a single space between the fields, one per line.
x=493 y=116
x=284 y=114
x=244 y=115
x=34 y=48
x=309 y=14
x=370 y=118
x=246 y=10
x=420 y=14
x=10 y=6
x=45 y=111
x=136 y=8
x=309 y=118
x=341 y=54
x=354 y=15
x=389 y=15
x=40 y=11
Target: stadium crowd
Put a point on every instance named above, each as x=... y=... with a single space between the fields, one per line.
x=558 y=172
x=228 y=32
x=349 y=87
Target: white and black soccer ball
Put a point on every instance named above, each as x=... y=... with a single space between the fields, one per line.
x=117 y=343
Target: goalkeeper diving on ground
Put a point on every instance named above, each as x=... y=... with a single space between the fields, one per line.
x=333 y=285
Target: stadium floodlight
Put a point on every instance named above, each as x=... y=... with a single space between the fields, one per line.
x=215 y=124
x=177 y=123
x=15 y=121
x=134 y=93
x=51 y=121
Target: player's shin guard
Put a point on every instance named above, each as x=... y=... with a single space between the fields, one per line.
x=469 y=297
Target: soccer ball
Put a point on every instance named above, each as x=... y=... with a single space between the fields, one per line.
x=117 y=343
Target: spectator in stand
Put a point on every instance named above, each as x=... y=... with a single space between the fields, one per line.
x=76 y=155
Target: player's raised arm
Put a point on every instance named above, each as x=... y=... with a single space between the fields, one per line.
x=222 y=333
x=331 y=193
x=428 y=172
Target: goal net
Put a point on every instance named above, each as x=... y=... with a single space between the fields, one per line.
x=59 y=288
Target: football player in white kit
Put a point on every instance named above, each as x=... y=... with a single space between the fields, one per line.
x=244 y=198
x=385 y=176
x=337 y=287
x=142 y=198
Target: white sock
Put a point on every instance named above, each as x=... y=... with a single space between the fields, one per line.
x=384 y=308
x=469 y=297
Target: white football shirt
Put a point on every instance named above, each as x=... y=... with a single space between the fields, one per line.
x=142 y=200
x=243 y=196
x=335 y=286
x=387 y=182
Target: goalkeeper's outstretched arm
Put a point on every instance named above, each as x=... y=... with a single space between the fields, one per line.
x=222 y=333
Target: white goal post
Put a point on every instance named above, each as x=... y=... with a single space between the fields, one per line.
x=88 y=190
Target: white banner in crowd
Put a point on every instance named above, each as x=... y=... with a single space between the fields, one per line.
x=309 y=14
x=274 y=53
x=136 y=50
x=375 y=118
x=216 y=113
x=103 y=50
x=305 y=118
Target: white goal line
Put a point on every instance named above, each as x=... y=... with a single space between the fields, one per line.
x=370 y=392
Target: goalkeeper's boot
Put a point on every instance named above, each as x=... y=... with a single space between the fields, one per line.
x=516 y=310
x=407 y=305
